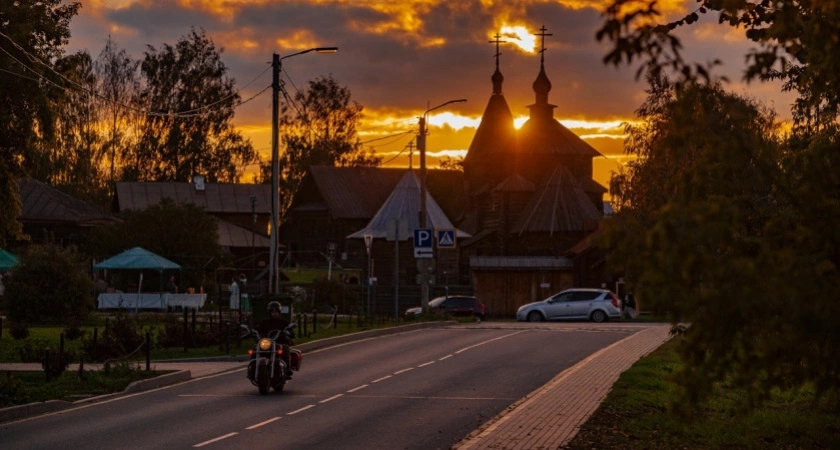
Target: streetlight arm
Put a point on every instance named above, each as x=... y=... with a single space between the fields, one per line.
x=460 y=100
x=314 y=49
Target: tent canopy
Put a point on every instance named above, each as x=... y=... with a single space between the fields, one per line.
x=137 y=258
x=7 y=260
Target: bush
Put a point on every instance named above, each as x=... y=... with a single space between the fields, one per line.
x=32 y=350
x=123 y=337
x=49 y=286
x=19 y=331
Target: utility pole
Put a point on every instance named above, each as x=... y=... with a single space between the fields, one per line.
x=275 y=170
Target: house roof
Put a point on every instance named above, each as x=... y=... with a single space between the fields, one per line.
x=404 y=204
x=538 y=136
x=216 y=198
x=359 y=192
x=520 y=262
x=559 y=205
x=42 y=203
x=231 y=235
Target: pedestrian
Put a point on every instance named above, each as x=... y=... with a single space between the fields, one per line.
x=171 y=287
x=234 y=294
x=630 y=306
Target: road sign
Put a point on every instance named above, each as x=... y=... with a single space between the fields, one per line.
x=445 y=238
x=423 y=238
x=423 y=252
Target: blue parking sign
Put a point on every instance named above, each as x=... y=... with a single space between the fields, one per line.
x=446 y=238
x=423 y=238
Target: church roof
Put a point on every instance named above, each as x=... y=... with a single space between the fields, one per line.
x=515 y=183
x=541 y=136
x=495 y=133
x=559 y=205
x=359 y=192
x=404 y=204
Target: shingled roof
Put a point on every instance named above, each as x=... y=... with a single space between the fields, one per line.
x=559 y=205
x=515 y=183
x=216 y=198
x=359 y=192
x=536 y=137
x=404 y=204
x=232 y=235
x=495 y=134
x=42 y=203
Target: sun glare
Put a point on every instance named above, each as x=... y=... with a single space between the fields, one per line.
x=519 y=36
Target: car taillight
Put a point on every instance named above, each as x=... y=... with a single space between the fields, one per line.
x=614 y=301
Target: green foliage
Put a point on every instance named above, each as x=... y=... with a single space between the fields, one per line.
x=796 y=43
x=49 y=286
x=201 y=142
x=719 y=228
x=182 y=233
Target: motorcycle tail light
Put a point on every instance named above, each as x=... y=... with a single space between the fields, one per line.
x=279 y=351
x=250 y=352
x=265 y=344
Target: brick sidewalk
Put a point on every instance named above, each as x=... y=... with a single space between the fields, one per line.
x=552 y=415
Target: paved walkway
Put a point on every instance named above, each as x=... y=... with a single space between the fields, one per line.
x=197 y=369
x=552 y=415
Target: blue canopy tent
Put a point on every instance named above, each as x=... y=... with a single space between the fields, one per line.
x=7 y=261
x=139 y=259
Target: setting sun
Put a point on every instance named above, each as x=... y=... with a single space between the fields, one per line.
x=519 y=36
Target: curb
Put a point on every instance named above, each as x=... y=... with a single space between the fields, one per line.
x=35 y=409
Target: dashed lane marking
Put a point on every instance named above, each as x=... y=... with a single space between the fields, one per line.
x=380 y=379
x=263 y=423
x=404 y=370
x=300 y=410
x=215 y=440
x=445 y=357
x=357 y=388
x=331 y=398
x=489 y=341
x=426 y=364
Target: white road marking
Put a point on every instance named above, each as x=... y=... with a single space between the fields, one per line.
x=426 y=364
x=357 y=388
x=331 y=398
x=404 y=370
x=380 y=379
x=263 y=423
x=300 y=410
x=417 y=397
x=491 y=340
x=445 y=357
x=215 y=440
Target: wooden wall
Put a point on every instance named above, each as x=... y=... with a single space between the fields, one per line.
x=503 y=292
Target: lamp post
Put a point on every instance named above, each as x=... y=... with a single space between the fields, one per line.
x=253 y=199
x=276 y=65
x=421 y=147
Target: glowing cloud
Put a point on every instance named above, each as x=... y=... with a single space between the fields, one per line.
x=519 y=36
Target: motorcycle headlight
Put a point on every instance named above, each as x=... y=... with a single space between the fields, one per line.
x=265 y=344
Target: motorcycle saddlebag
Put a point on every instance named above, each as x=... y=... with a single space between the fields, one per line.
x=296 y=359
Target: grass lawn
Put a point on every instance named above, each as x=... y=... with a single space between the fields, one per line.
x=18 y=388
x=635 y=415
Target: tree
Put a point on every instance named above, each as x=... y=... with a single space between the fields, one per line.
x=33 y=30
x=796 y=38
x=49 y=286
x=319 y=128
x=447 y=163
x=116 y=74
x=189 y=131
x=183 y=233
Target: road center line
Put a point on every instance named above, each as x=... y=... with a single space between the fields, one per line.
x=331 y=398
x=263 y=423
x=357 y=388
x=404 y=370
x=214 y=440
x=426 y=364
x=380 y=379
x=300 y=410
x=445 y=357
x=491 y=340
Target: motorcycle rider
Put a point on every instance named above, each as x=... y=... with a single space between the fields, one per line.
x=276 y=322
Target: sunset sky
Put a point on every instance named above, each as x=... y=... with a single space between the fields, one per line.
x=398 y=56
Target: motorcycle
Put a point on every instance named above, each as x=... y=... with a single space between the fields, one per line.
x=268 y=369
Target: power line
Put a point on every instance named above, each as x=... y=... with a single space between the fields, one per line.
x=398 y=154
x=189 y=113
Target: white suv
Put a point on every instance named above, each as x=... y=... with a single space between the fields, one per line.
x=597 y=305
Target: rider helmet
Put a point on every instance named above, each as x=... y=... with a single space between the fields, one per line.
x=274 y=306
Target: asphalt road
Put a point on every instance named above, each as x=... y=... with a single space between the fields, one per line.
x=424 y=389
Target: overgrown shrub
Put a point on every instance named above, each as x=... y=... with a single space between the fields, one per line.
x=124 y=336
x=57 y=364
x=32 y=350
x=49 y=286
x=19 y=331
x=171 y=333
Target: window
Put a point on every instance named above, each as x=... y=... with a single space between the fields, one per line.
x=585 y=296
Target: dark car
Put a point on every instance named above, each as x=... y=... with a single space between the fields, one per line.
x=455 y=305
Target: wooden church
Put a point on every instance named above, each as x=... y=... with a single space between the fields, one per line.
x=523 y=208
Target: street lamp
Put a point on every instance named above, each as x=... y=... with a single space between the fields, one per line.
x=276 y=65
x=421 y=147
